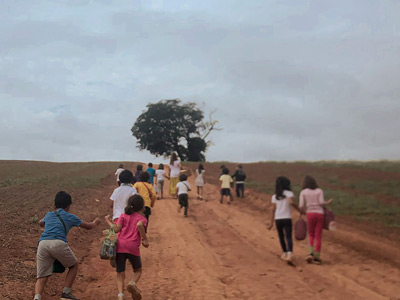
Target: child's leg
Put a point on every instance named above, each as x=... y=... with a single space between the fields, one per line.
x=120 y=281
x=279 y=228
x=198 y=192
x=136 y=275
x=318 y=232
x=186 y=202
x=40 y=284
x=201 y=192
x=287 y=226
x=71 y=275
x=237 y=190
x=242 y=189
x=311 y=223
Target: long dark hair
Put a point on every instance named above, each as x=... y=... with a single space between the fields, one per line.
x=135 y=204
x=201 y=168
x=309 y=183
x=174 y=157
x=282 y=183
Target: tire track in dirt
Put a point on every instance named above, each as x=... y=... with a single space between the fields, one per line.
x=225 y=252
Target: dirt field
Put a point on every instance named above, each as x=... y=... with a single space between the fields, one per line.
x=219 y=252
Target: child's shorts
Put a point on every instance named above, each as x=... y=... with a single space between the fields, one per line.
x=50 y=250
x=183 y=199
x=135 y=261
x=226 y=192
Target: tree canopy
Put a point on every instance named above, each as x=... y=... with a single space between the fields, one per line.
x=172 y=126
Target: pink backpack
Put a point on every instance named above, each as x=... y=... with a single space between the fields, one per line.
x=300 y=229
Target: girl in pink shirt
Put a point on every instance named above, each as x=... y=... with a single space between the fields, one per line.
x=312 y=202
x=131 y=227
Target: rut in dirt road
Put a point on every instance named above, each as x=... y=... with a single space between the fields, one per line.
x=226 y=252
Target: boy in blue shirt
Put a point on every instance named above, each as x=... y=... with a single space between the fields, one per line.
x=152 y=172
x=53 y=245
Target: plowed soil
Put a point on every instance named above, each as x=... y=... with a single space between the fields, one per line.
x=219 y=252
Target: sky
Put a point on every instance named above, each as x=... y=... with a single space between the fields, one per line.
x=287 y=80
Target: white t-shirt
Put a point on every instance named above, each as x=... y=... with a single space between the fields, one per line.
x=160 y=174
x=119 y=171
x=175 y=169
x=283 y=207
x=120 y=197
x=183 y=187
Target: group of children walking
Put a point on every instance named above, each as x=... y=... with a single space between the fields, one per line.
x=132 y=202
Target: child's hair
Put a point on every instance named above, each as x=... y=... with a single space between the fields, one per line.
x=144 y=176
x=121 y=166
x=225 y=171
x=139 y=168
x=62 y=200
x=150 y=165
x=281 y=184
x=126 y=176
x=182 y=177
x=135 y=203
x=222 y=167
x=174 y=157
x=240 y=166
x=201 y=168
x=161 y=167
x=309 y=183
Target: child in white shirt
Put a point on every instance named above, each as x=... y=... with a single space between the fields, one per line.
x=182 y=189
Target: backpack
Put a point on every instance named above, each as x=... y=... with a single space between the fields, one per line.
x=300 y=229
x=329 y=219
x=108 y=248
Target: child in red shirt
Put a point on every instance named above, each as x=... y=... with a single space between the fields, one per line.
x=131 y=227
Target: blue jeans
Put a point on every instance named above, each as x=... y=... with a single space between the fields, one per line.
x=240 y=189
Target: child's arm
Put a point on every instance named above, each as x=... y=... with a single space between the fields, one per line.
x=271 y=223
x=176 y=191
x=90 y=225
x=41 y=222
x=143 y=235
x=117 y=227
x=293 y=204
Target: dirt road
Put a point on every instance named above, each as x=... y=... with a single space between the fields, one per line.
x=226 y=252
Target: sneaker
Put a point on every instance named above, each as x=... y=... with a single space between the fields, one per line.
x=121 y=297
x=289 y=258
x=133 y=289
x=284 y=256
x=309 y=258
x=317 y=261
x=69 y=296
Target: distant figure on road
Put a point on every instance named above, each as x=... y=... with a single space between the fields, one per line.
x=119 y=170
x=183 y=188
x=152 y=172
x=131 y=227
x=200 y=181
x=174 y=172
x=282 y=202
x=226 y=181
x=53 y=245
x=312 y=202
x=240 y=177
x=160 y=174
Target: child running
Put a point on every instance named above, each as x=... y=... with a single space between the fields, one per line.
x=226 y=180
x=131 y=227
x=146 y=190
x=312 y=201
x=53 y=245
x=121 y=194
x=240 y=177
x=200 y=181
x=119 y=170
x=160 y=181
x=282 y=201
x=152 y=172
x=182 y=189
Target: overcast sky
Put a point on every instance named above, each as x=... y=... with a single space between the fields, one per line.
x=289 y=80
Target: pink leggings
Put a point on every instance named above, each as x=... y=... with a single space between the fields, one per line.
x=315 y=223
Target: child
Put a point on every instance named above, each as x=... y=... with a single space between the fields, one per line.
x=200 y=181
x=152 y=172
x=160 y=181
x=139 y=170
x=226 y=180
x=312 y=202
x=121 y=194
x=131 y=227
x=282 y=201
x=182 y=189
x=146 y=190
x=119 y=170
x=53 y=245
x=240 y=177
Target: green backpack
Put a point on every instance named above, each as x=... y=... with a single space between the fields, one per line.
x=108 y=248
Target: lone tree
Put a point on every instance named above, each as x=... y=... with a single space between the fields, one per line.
x=169 y=126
